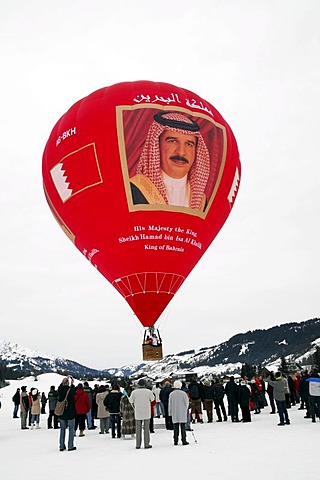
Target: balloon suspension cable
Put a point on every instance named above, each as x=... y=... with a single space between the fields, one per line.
x=164 y=318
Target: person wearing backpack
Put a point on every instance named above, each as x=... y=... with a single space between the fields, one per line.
x=67 y=391
x=195 y=400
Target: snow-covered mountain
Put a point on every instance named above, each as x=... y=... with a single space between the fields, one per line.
x=294 y=341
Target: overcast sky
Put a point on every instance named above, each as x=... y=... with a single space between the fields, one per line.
x=258 y=63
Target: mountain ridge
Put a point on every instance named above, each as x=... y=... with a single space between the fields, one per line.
x=295 y=341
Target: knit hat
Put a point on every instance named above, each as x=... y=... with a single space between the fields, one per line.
x=177 y=384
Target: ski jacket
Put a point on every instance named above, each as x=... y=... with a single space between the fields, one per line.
x=81 y=401
x=112 y=402
x=314 y=386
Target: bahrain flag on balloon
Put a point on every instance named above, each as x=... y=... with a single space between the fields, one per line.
x=141 y=176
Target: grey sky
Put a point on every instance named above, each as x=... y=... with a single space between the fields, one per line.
x=258 y=63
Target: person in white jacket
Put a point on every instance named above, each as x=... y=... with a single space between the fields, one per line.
x=314 y=394
x=141 y=399
x=178 y=409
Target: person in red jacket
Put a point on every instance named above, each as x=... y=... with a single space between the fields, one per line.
x=82 y=403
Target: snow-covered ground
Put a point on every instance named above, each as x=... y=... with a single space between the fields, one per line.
x=223 y=450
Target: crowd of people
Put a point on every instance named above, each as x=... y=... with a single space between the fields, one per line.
x=131 y=410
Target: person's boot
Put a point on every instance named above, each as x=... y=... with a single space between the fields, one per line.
x=81 y=433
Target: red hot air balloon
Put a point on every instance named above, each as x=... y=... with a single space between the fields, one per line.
x=141 y=176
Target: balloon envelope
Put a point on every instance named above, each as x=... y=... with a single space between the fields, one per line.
x=141 y=176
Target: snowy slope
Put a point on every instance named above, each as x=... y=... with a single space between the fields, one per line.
x=226 y=450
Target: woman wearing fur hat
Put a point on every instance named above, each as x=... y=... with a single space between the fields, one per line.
x=178 y=410
x=127 y=413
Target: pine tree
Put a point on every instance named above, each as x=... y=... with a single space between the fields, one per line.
x=316 y=359
x=248 y=370
x=284 y=367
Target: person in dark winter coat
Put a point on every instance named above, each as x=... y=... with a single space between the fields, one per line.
x=304 y=394
x=94 y=406
x=24 y=407
x=67 y=419
x=255 y=394
x=231 y=390
x=291 y=390
x=184 y=388
x=218 y=396
x=16 y=403
x=314 y=395
x=164 y=397
x=244 y=401
x=208 y=393
x=270 y=395
x=112 y=403
x=52 y=399
x=43 y=403
x=82 y=403
x=195 y=393
x=263 y=401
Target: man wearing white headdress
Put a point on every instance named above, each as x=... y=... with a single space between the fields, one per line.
x=174 y=165
x=178 y=409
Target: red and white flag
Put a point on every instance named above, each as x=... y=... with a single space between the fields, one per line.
x=76 y=172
